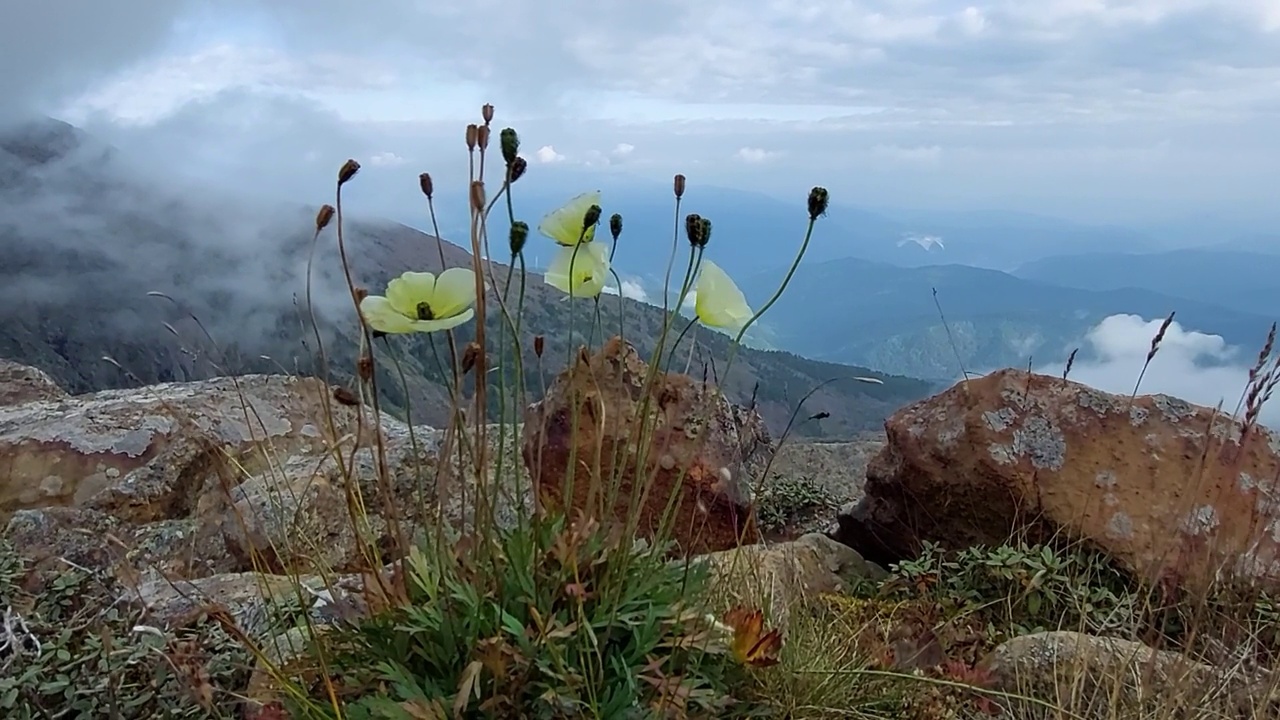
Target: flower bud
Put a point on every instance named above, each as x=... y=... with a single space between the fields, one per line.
x=818 y=201
x=424 y=182
x=679 y=186
x=477 y=195
x=706 y=232
x=592 y=217
x=348 y=171
x=615 y=226
x=538 y=343
x=693 y=229
x=518 y=166
x=473 y=132
x=519 y=234
x=469 y=356
x=482 y=137
x=323 y=217
x=510 y=143
x=486 y=112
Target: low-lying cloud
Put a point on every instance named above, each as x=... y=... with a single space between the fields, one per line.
x=1195 y=366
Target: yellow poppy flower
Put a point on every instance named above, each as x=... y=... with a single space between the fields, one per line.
x=422 y=302
x=590 y=270
x=719 y=303
x=565 y=224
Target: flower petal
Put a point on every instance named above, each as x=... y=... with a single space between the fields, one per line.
x=447 y=323
x=720 y=303
x=564 y=225
x=411 y=288
x=590 y=269
x=380 y=315
x=455 y=292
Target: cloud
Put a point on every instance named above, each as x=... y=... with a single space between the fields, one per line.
x=547 y=154
x=386 y=159
x=919 y=154
x=754 y=155
x=623 y=149
x=1194 y=366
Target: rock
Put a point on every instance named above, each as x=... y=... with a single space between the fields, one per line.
x=20 y=384
x=698 y=443
x=1096 y=677
x=297 y=516
x=151 y=453
x=1164 y=487
x=788 y=573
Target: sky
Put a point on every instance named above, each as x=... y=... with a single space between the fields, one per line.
x=1098 y=110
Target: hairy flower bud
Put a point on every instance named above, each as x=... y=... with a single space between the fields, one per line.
x=477 y=195
x=693 y=229
x=818 y=201
x=538 y=343
x=706 y=232
x=323 y=217
x=469 y=356
x=517 y=168
x=615 y=226
x=679 y=186
x=592 y=217
x=428 y=187
x=510 y=143
x=473 y=132
x=486 y=112
x=348 y=171
x=482 y=137
x=519 y=234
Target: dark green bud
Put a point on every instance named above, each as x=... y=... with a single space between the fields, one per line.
x=592 y=217
x=818 y=201
x=694 y=229
x=516 y=169
x=519 y=234
x=615 y=226
x=706 y=232
x=510 y=143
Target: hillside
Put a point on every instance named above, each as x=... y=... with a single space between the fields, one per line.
x=878 y=315
x=85 y=240
x=1236 y=279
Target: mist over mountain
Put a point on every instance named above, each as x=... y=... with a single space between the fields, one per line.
x=881 y=316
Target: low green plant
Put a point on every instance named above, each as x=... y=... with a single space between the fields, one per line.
x=72 y=650
x=787 y=501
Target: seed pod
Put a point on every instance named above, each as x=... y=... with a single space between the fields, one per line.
x=428 y=187
x=482 y=137
x=348 y=171
x=364 y=367
x=473 y=132
x=538 y=343
x=477 y=195
x=615 y=226
x=470 y=356
x=486 y=112
x=324 y=216
x=517 y=169
x=679 y=185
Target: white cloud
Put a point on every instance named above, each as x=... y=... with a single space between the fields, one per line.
x=630 y=289
x=918 y=154
x=623 y=149
x=386 y=159
x=547 y=154
x=754 y=154
x=1194 y=366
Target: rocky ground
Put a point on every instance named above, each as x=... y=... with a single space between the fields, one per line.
x=197 y=510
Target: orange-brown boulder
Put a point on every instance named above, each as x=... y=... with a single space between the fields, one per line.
x=694 y=444
x=1169 y=489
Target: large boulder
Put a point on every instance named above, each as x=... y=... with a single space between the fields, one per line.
x=598 y=418
x=1169 y=489
x=23 y=384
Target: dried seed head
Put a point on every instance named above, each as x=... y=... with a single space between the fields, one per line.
x=615 y=226
x=473 y=132
x=693 y=229
x=428 y=187
x=348 y=171
x=706 y=232
x=518 y=166
x=538 y=343
x=482 y=137
x=477 y=195
x=510 y=143
x=519 y=234
x=818 y=201
x=591 y=217
x=679 y=186
x=323 y=217
x=469 y=356
x=364 y=367
x=486 y=112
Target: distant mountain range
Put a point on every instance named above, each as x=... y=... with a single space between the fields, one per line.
x=881 y=315
x=84 y=240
